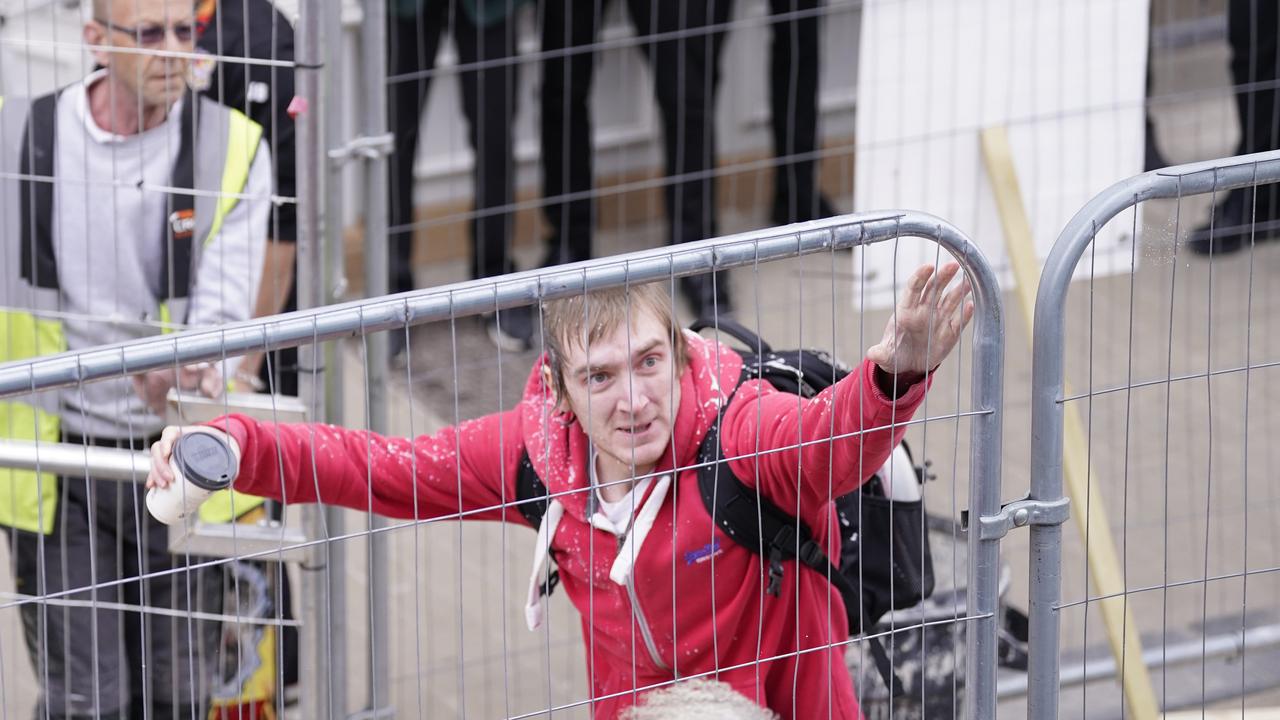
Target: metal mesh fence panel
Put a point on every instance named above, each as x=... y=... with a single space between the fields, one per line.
x=452 y=591
x=1169 y=375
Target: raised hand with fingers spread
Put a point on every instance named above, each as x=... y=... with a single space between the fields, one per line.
x=926 y=324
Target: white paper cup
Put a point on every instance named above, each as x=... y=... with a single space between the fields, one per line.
x=203 y=463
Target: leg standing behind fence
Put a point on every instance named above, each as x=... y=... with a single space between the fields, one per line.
x=567 y=173
x=1048 y=377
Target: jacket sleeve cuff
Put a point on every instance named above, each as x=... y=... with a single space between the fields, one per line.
x=235 y=426
x=906 y=402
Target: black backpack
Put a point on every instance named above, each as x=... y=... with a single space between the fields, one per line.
x=885 y=560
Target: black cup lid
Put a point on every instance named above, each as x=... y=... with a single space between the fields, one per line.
x=205 y=461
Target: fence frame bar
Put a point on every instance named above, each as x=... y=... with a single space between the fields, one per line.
x=329 y=265
x=321 y=649
x=101 y=463
x=740 y=250
x=1048 y=380
x=372 y=59
x=458 y=300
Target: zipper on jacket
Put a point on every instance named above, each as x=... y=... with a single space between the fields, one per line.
x=645 y=633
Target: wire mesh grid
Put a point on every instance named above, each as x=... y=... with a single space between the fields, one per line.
x=1169 y=372
x=485 y=110
x=453 y=593
x=727 y=186
x=146 y=186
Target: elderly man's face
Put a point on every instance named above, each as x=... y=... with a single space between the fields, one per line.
x=165 y=25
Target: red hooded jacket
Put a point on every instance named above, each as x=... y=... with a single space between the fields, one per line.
x=678 y=595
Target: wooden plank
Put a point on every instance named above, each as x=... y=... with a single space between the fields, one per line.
x=1104 y=565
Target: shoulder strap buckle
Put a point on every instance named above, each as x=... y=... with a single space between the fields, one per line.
x=811 y=554
x=784 y=540
x=775 y=573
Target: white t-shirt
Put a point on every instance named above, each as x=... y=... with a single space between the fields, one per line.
x=621 y=512
x=108 y=218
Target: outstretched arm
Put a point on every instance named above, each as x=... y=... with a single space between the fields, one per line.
x=461 y=470
x=803 y=453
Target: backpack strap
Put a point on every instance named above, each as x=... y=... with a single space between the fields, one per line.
x=754 y=522
x=36 y=165
x=531 y=494
x=885 y=667
x=176 y=271
x=532 y=501
x=39 y=263
x=734 y=329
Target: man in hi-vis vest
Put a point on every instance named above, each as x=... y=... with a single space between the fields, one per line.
x=128 y=206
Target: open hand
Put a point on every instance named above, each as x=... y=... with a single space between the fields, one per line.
x=926 y=325
x=153 y=387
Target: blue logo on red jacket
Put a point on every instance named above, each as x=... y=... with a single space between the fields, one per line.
x=704 y=553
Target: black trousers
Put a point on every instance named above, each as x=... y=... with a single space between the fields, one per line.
x=1252 y=30
x=793 y=103
x=489 y=103
x=685 y=73
x=101 y=661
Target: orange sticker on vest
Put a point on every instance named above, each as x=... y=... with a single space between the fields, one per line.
x=182 y=224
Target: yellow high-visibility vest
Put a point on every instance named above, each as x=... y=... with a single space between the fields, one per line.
x=29 y=298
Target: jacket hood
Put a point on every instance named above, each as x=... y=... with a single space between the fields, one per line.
x=558 y=446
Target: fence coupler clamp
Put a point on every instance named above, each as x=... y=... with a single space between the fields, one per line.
x=1021 y=513
x=364 y=146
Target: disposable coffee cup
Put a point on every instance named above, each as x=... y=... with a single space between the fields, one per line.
x=202 y=463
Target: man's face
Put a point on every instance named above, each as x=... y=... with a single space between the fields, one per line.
x=623 y=391
x=166 y=25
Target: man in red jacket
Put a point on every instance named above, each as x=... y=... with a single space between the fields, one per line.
x=611 y=421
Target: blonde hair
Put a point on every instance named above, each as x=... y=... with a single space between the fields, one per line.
x=579 y=321
x=697 y=700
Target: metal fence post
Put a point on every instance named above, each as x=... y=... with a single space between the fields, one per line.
x=315 y=639
x=987 y=395
x=1048 y=378
x=333 y=262
x=373 y=128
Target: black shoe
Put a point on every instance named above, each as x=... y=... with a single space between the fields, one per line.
x=825 y=208
x=511 y=329
x=707 y=299
x=1153 y=159
x=396 y=347
x=1235 y=223
x=560 y=253
x=804 y=211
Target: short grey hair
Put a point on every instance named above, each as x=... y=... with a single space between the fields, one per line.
x=102 y=8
